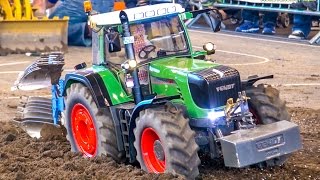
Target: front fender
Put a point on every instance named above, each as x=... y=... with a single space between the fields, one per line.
x=253 y=79
x=149 y=103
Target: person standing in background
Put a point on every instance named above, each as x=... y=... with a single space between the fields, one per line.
x=301 y=27
x=302 y=23
x=251 y=22
x=79 y=33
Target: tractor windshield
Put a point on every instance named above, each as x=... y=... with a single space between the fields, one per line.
x=159 y=38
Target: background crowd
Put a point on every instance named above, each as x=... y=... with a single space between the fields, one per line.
x=79 y=33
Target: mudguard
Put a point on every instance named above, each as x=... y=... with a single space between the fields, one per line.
x=95 y=84
x=253 y=79
x=148 y=103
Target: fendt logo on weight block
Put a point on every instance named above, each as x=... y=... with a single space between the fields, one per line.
x=270 y=142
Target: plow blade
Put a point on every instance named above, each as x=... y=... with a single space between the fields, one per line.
x=33 y=114
x=42 y=73
x=40 y=102
x=35 y=35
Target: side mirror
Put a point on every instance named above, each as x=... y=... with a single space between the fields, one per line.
x=113 y=39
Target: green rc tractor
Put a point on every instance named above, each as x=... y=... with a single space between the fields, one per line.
x=150 y=98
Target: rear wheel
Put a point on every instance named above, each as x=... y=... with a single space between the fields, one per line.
x=165 y=143
x=267 y=107
x=89 y=130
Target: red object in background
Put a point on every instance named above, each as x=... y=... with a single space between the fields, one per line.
x=119 y=6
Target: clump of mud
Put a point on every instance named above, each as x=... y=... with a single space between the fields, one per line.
x=22 y=157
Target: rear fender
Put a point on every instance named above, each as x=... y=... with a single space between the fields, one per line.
x=95 y=84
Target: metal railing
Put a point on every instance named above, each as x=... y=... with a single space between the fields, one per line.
x=283 y=6
x=265 y=5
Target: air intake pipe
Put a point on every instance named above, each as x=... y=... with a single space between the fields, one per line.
x=137 y=93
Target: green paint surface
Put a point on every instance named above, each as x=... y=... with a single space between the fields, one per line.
x=177 y=69
x=114 y=87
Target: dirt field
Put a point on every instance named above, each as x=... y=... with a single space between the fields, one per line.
x=297 y=75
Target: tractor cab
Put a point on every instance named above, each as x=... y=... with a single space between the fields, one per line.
x=156 y=32
x=152 y=39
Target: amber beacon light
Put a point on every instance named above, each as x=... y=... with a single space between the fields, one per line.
x=87 y=6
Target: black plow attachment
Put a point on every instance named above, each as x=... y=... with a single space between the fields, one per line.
x=42 y=73
x=35 y=113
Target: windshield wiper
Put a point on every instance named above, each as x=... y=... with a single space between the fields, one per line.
x=163 y=52
x=171 y=51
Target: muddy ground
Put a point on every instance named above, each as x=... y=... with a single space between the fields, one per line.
x=23 y=157
x=296 y=68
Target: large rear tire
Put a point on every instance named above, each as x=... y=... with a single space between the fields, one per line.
x=89 y=130
x=166 y=143
x=267 y=107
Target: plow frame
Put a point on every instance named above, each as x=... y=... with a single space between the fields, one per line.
x=57 y=99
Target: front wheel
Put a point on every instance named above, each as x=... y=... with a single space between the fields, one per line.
x=267 y=107
x=165 y=143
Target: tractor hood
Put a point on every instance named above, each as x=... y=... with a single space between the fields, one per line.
x=177 y=67
x=203 y=83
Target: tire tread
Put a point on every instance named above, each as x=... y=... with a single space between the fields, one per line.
x=179 y=137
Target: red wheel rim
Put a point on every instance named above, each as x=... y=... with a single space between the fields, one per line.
x=83 y=130
x=153 y=164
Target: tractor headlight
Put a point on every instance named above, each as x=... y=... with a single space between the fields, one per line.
x=210 y=48
x=217 y=118
x=213 y=115
x=132 y=63
x=129 y=64
x=125 y=66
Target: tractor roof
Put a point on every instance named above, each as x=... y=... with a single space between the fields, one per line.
x=137 y=14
